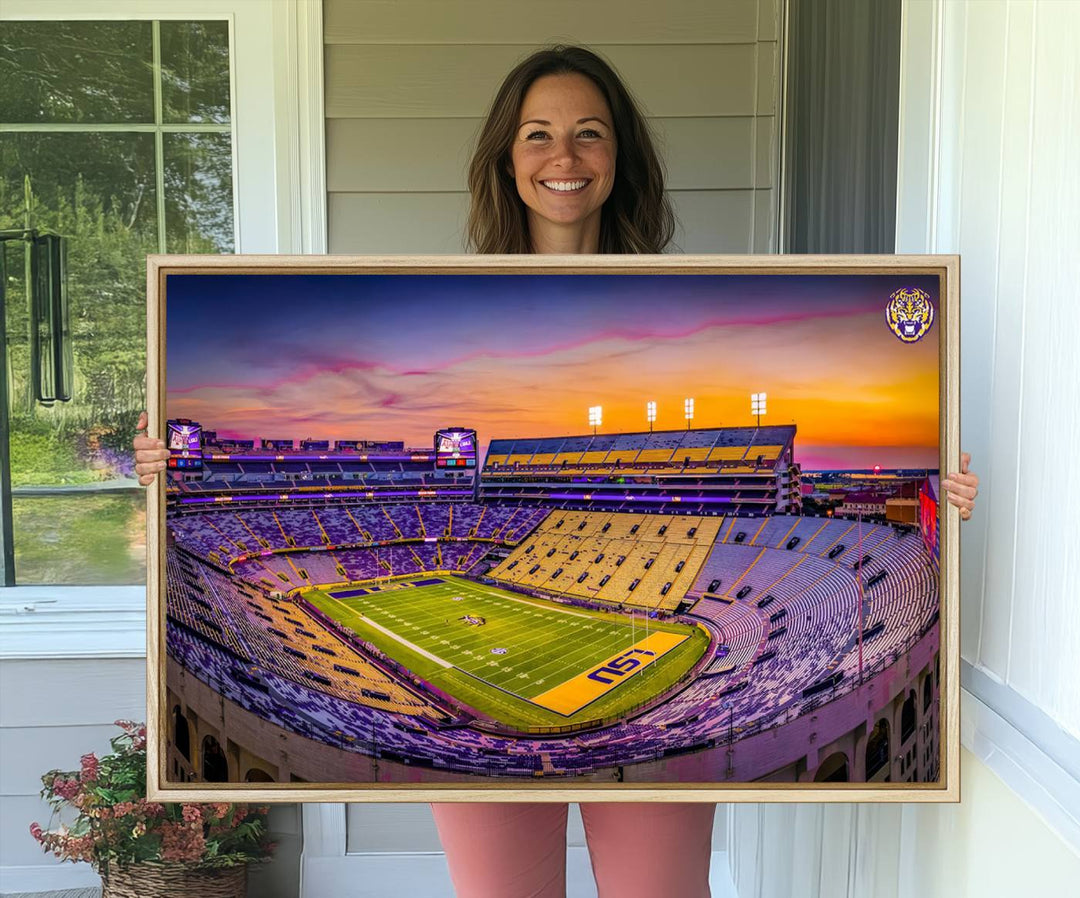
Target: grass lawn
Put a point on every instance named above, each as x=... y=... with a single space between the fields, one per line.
x=81 y=539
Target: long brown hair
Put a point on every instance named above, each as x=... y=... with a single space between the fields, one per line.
x=636 y=218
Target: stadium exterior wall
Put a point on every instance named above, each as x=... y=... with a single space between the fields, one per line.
x=795 y=750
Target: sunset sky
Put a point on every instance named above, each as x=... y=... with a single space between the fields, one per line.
x=396 y=357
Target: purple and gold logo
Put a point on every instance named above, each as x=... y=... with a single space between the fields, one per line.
x=909 y=313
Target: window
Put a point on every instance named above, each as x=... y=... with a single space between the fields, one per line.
x=118 y=136
x=278 y=131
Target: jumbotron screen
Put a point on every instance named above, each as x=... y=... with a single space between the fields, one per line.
x=455 y=447
x=184 y=439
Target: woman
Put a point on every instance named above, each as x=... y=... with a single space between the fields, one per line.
x=565 y=164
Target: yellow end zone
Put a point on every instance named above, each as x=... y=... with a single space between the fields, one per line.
x=576 y=693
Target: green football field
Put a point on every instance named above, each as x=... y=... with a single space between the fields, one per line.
x=540 y=646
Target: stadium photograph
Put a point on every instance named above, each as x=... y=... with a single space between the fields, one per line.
x=551 y=528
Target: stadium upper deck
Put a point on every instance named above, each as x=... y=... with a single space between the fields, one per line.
x=732 y=450
x=725 y=470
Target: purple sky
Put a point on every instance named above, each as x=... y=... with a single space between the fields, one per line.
x=399 y=356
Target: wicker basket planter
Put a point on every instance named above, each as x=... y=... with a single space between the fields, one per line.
x=126 y=838
x=171 y=880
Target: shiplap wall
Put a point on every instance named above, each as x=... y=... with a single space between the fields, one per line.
x=1010 y=165
x=409 y=81
x=991 y=845
x=53 y=712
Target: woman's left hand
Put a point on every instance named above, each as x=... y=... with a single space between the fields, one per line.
x=962 y=488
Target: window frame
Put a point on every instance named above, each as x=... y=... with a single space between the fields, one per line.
x=276 y=94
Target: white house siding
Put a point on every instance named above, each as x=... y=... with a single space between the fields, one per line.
x=408 y=83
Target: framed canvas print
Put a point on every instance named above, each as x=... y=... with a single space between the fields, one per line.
x=553 y=528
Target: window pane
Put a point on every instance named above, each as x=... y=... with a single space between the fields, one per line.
x=198 y=193
x=98 y=191
x=76 y=72
x=78 y=515
x=82 y=539
x=195 y=71
x=113 y=174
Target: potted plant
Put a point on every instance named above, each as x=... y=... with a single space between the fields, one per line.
x=142 y=848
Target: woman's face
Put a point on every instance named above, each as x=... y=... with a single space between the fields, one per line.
x=563 y=154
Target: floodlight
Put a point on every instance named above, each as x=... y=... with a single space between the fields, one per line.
x=595 y=416
x=757 y=405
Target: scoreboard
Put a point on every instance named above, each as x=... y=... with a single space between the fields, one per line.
x=455 y=448
x=184 y=440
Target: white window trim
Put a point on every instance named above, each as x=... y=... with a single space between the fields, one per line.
x=280 y=202
x=1034 y=757
x=38 y=622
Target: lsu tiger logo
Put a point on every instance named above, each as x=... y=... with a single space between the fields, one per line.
x=909 y=314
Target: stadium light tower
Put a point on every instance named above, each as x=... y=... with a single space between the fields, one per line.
x=729 y=706
x=650 y=413
x=595 y=416
x=757 y=406
x=688 y=411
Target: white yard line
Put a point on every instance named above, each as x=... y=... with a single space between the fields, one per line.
x=554 y=606
x=393 y=635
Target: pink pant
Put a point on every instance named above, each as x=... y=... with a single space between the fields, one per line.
x=638 y=850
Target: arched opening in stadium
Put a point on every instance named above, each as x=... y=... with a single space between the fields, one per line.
x=181 y=735
x=907 y=718
x=877 y=748
x=215 y=766
x=834 y=769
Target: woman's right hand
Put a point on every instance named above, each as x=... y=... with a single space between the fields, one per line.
x=150 y=454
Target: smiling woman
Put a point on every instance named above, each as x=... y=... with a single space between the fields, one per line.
x=563 y=117
x=563 y=162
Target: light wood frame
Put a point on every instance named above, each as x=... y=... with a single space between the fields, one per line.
x=947 y=789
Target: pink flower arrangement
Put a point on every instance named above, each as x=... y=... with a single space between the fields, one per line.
x=90 y=768
x=115 y=823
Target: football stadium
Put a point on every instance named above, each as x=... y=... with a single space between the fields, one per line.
x=631 y=607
